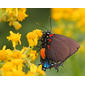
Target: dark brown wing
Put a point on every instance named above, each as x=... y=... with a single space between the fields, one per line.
x=72 y=44
x=61 y=48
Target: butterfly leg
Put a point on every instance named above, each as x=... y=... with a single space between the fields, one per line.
x=57 y=69
x=44 y=69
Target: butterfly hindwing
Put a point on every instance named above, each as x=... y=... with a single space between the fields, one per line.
x=61 y=48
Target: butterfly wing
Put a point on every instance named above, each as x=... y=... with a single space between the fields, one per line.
x=72 y=44
x=61 y=48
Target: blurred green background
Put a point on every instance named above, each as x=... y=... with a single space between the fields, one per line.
x=39 y=18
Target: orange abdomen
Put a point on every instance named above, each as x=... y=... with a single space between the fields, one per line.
x=42 y=53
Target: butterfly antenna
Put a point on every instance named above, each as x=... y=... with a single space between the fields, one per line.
x=50 y=23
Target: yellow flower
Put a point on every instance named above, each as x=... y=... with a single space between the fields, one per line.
x=56 y=14
x=33 y=55
x=3 y=54
x=15 y=38
x=40 y=71
x=14 y=73
x=7 y=66
x=13 y=68
x=24 y=49
x=17 y=25
x=9 y=53
x=76 y=16
x=62 y=13
x=35 y=71
x=32 y=37
x=38 y=33
x=16 y=54
x=57 y=30
x=17 y=62
x=31 y=74
x=21 y=14
x=33 y=68
x=12 y=16
x=33 y=42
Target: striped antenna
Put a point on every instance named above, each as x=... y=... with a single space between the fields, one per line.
x=50 y=23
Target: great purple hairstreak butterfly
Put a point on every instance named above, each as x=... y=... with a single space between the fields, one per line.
x=55 y=49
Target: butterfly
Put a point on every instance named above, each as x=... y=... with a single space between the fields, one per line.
x=55 y=49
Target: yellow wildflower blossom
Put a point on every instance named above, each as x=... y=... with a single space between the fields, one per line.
x=40 y=71
x=13 y=68
x=15 y=38
x=24 y=49
x=34 y=70
x=56 y=14
x=14 y=73
x=76 y=16
x=38 y=33
x=12 y=16
x=3 y=55
x=62 y=13
x=33 y=37
x=17 y=25
x=31 y=74
x=7 y=66
x=22 y=14
x=17 y=61
x=57 y=30
x=32 y=40
x=33 y=55
x=17 y=54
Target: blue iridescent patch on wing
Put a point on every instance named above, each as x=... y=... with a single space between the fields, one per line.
x=47 y=64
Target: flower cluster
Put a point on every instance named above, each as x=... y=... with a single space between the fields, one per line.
x=33 y=38
x=15 y=62
x=13 y=16
x=15 y=38
x=73 y=16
